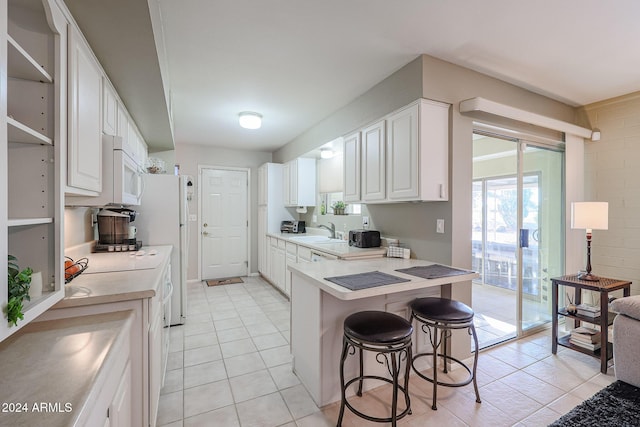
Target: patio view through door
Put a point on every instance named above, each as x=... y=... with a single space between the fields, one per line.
x=517 y=241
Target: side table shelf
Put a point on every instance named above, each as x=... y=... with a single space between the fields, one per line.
x=603 y=287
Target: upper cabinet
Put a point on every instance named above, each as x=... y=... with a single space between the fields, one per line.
x=403 y=157
x=299 y=182
x=351 y=165
x=33 y=140
x=109 y=109
x=373 y=163
x=84 y=169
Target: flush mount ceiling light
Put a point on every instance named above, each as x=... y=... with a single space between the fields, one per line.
x=250 y=120
x=326 y=153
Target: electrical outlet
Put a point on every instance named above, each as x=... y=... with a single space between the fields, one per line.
x=314 y=218
x=440 y=226
x=193 y=217
x=365 y=222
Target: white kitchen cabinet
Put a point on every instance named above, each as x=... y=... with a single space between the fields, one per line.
x=400 y=158
x=262 y=185
x=291 y=258
x=373 y=162
x=418 y=152
x=351 y=166
x=120 y=411
x=278 y=263
x=299 y=182
x=31 y=155
x=84 y=167
x=271 y=212
x=109 y=109
x=262 y=239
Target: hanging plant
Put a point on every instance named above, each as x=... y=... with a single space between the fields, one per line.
x=19 y=282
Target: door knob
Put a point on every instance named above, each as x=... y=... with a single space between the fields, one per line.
x=205 y=233
x=205 y=225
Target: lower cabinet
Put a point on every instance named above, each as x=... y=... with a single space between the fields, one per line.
x=120 y=410
x=291 y=258
x=144 y=367
x=155 y=367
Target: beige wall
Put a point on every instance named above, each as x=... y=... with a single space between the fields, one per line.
x=612 y=175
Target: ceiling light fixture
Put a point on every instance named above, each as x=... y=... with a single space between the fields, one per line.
x=250 y=120
x=326 y=153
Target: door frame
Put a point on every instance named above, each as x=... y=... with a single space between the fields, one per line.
x=224 y=168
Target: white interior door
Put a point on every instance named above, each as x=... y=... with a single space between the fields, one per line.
x=224 y=223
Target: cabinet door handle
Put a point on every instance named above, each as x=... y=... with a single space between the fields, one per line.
x=205 y=233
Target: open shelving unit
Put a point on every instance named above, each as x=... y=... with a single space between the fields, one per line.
x=33 y=150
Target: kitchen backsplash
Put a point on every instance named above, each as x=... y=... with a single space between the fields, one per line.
x=77 y=226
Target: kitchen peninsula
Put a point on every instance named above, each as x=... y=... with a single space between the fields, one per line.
x=319 y=307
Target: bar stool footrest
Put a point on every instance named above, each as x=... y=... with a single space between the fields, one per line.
x=407 y=411
x=445 y=358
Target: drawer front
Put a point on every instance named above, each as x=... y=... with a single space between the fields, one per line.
x=281 y=244
x=304 y=253
x=274 y=242
x=292 y=248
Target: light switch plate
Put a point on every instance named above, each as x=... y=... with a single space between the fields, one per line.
x=440 y=226
x=365 y=222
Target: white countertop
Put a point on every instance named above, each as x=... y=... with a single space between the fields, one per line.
x=57 y=362
x=316 y=272
x=121 y=282
x=341 y=250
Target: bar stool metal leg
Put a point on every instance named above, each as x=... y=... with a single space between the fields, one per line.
x=472 y=328
x=343 y=388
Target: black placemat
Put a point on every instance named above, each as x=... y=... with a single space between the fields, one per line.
x=433 y=271
x=370 y=279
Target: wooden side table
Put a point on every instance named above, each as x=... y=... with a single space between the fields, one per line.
x=604 y=286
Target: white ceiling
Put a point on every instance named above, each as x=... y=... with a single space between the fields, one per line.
x=297 y=61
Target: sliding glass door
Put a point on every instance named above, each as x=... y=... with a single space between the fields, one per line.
x=517 y=234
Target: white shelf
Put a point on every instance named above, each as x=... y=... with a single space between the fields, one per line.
x=19 y=132
x=21 y=65
x=18 y=222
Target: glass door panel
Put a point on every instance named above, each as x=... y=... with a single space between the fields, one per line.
x=542 y=213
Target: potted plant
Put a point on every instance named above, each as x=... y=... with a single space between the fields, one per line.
x=19 y=282
x=338 y=208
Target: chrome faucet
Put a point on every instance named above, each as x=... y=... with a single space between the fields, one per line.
x=331 y=229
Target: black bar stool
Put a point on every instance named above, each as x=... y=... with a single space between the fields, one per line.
x=444 y=315
x=388 y=335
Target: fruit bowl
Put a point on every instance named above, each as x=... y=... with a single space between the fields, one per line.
x=73 y=269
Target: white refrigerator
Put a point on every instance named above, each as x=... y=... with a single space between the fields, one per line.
x=162 y=219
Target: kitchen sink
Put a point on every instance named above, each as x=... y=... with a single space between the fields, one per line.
x=316 y=240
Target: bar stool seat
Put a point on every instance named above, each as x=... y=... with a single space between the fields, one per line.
x=389 y=336
x=444 y=315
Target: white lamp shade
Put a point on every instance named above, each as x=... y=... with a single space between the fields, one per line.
x=250 y=120
x=590 y=215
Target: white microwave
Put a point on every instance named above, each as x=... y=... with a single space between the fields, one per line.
x=121 y=178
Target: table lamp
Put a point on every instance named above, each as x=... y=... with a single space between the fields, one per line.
x=589 y=216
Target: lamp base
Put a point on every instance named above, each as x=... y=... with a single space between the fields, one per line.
x=588 y=277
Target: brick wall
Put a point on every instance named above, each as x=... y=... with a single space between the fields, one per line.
x=612 y=174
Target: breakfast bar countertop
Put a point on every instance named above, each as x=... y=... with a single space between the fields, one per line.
x=317 y=272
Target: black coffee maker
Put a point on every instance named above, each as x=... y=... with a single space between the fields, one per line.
x=113 y=230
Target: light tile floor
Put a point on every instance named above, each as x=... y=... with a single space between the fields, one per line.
x=230 y=366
